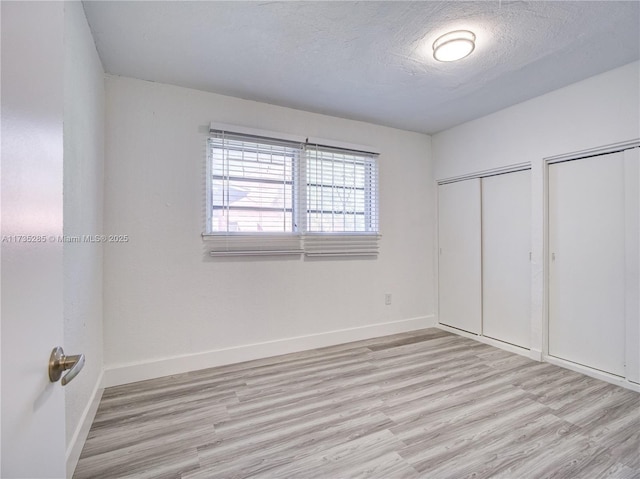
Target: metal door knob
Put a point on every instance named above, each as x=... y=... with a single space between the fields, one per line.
x=58 y=363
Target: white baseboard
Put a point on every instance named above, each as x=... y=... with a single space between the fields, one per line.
x=536 y=355
x=512 y=348
x=140 y=371
x=82 y=431
x=594 y=373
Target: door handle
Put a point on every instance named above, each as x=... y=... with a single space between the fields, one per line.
x=59 y=362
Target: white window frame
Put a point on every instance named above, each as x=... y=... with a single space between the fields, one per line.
x=299 y=241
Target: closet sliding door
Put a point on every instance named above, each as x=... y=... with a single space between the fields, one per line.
x=459 y=265
x=506 y=265
x=587 y=262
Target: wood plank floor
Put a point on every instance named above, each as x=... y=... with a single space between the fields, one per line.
x=424 y=404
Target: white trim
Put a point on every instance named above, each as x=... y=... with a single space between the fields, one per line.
x=139 y=371
x=594 y=373
x=512 y=348
x=82 y=431
x=537 y=355
x=245 y=130
x=485 y=173
x=600 y=150
x=208 y=205
x=343 y=145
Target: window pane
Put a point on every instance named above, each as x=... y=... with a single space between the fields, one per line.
x=250 y=194
x=335 y=200
x=251 y=186
x=326 y=222
x=341 y=192
x=251 y=221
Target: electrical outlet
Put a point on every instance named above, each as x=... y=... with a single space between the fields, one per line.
x=387 y=299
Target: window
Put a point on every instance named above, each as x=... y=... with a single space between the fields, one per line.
x=272 y=196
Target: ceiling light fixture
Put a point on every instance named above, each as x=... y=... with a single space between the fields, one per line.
x=453 y=46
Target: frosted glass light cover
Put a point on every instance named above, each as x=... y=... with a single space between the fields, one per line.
x=454 y=46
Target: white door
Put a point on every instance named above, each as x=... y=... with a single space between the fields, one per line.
x=33 y=439
x=632 y=262
x=459 y=273
x=506 y=266
x=587 y=262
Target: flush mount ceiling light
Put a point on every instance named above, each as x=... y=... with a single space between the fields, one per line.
x=453 y=46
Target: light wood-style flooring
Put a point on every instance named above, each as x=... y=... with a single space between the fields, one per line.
x=425 y=404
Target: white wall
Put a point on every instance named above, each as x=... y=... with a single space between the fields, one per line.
x=601 y=110
x=598 y=111
x=83 y=215
x=169 y=308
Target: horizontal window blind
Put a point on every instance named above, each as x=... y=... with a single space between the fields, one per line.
x=328 y=244
x=246 y=244
x=341 y=207
x=251 y=197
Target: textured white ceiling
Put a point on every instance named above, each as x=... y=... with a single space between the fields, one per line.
x=367 y=61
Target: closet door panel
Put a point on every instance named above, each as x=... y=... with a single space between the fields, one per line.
x=632 y=262
x=587 y=262
x=506 y=266
x=459 y=278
